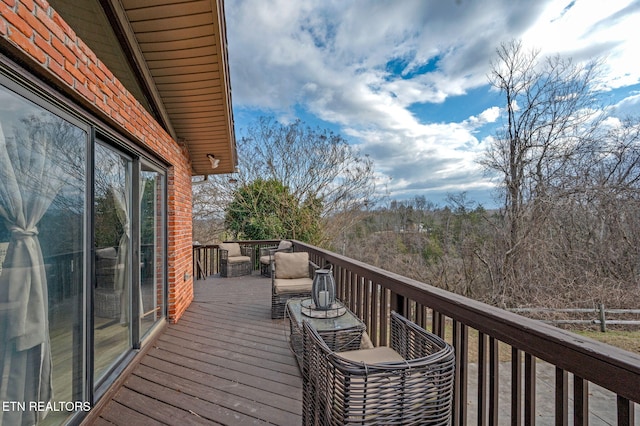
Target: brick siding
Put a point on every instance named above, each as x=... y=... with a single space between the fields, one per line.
x=34 y=32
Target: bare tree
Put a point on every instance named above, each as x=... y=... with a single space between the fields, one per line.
x=549 y=118
x=315 y=165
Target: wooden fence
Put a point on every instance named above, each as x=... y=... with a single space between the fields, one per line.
x=602 y=316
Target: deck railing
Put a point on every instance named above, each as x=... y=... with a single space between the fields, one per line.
x=206 y=259
x=500 y=355
x=504 y=343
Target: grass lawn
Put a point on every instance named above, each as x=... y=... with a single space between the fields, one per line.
x=627 y=340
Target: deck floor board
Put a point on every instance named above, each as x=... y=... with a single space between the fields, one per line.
x=250 y=360
x=230 y=334
x=125 y=415
x=225 y=362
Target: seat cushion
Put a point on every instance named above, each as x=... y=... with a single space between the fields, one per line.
x=292 y=285
x=292 y=265
x=233 y=249
x=372 y=356
x=106 y=253
x=265 y=260
x=284 y=244
x=238 y=259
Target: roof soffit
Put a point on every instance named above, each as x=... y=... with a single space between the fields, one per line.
x=179 y=48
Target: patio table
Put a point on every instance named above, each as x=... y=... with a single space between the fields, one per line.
x=340 y=328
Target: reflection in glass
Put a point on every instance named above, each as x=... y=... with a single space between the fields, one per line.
x=112 y=287
x=42 y=208
x=152 y=247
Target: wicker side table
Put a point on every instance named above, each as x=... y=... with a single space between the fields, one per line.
x=340 y=333
x=235 y=269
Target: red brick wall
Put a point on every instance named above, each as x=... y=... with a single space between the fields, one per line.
x=32 y=31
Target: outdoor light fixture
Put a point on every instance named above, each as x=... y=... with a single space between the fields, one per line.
x=323 y=289
x=215 y=162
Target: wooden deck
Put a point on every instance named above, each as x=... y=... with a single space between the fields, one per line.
x=225 y=362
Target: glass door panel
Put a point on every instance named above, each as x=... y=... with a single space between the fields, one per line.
x=42 y=256
x=112 y=284
x=152 y=271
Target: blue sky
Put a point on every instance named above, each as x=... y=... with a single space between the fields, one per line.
x=406 y=81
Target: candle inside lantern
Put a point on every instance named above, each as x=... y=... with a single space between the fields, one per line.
x=323 y=299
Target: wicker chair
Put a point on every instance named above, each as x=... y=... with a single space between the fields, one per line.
x=233 y=260
x=106 y=297
x=291 y=277
x=409 y=383
x=266 y=256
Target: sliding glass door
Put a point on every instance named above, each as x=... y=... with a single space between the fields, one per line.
x=112 y=285
x=152 y=254
x=129 y=230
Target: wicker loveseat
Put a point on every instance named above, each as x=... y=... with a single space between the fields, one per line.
x=233 y=261
x=291 y=277
x=409 y=383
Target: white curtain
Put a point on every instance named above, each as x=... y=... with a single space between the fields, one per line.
x=123 y=278
x=30 y=179
x=121 y=201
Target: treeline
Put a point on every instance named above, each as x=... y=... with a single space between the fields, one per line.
x=581 y=254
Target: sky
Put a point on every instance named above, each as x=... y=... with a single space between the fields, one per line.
x=406 y=83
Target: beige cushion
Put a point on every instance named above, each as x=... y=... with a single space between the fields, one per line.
x=365 y=342
x=292 y=265
x=104 y=253
x=372 y=356
x=232 y=248
x=292 y=285
x=239 y=259
x=284 y=244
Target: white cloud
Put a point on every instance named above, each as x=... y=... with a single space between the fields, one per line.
x=362 y=65
x=589 y=29
x=628 y=106
x=489 y=115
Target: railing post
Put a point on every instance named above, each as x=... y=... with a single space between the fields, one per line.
x=494 y=381
x=562 y=397
x=516 y=387
x=580 y=401
x=529 y=390
x=397 y=304
x=460 y=343
x=483 y=348
x=626 y=412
